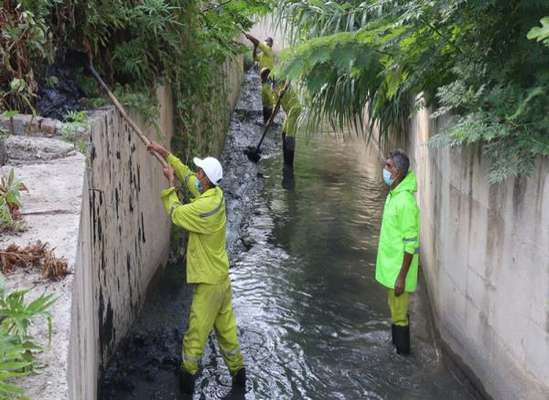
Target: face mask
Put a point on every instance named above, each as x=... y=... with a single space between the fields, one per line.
x=387 y=177
x=198 y=185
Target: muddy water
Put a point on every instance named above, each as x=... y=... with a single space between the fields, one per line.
x=313 y=323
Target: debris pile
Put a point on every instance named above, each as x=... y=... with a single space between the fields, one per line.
x=33 y=256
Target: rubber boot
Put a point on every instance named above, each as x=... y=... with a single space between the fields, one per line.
x=186 y=381
x=267 y=114
x=393 y=326
x=239 y=379
x=288 y=148
x=402 y=339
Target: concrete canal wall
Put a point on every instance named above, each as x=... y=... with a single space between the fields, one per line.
x=485 y=258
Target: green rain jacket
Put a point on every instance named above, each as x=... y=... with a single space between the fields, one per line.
x=399 y=234
x=204 y=217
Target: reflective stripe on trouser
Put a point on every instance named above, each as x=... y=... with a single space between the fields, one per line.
x=211 y=307
x=399 y=307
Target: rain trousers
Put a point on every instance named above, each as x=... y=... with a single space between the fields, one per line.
x=207 y=267
x=267 y=95
x=292 y=107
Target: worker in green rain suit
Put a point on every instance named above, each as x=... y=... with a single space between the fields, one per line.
x=398 y=251
x=291 y=106
x=207 y=264
x=265 y=59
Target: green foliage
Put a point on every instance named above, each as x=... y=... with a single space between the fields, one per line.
x=10 y=202
x=24 y=46
x=540 y=34
x=79 y=117
x=470 y=58
x=17 y=348
x=134 y=45
x=75 y=129
x=183 y=43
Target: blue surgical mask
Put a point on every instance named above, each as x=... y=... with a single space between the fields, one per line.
x=198 y=185
x=387 y=177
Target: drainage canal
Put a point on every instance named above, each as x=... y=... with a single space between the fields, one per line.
x=313 y=323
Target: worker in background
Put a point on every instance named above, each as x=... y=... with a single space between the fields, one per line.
x=267 y=95
x=265 y=59
x=292 y=107
x=397 y=255
x=207 y=263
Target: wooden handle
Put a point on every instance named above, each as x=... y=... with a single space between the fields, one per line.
x=120 y=109
x=273 y=114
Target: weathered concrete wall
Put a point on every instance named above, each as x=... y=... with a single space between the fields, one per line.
x=485 y=258
x=206 y=134
x=124 y=239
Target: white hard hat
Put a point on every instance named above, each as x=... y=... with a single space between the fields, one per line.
x=211 y=167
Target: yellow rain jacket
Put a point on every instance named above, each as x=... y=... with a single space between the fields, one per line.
x=266 y=57
x=204 y=217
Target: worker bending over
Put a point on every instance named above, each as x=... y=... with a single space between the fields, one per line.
x=265 y=60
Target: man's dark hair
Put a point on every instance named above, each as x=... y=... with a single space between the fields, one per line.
x=269 y=41
x=401 y=160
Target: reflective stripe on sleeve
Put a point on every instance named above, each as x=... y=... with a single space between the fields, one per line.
x=215 y=210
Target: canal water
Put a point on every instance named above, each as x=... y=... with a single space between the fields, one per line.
x=313 y=323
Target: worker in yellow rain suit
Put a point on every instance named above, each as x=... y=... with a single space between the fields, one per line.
x=267 y=95
x=291 y=106
x=207 y=264
x=265 y=59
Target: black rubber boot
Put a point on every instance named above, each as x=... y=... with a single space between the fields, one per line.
x=393 y=333
x=239 y=379
x=267 y=114
x=402 y=339
x=288 y=148
x=186 y=381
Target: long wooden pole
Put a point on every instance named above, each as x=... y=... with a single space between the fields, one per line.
x=122 y=111
x=273 y=115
